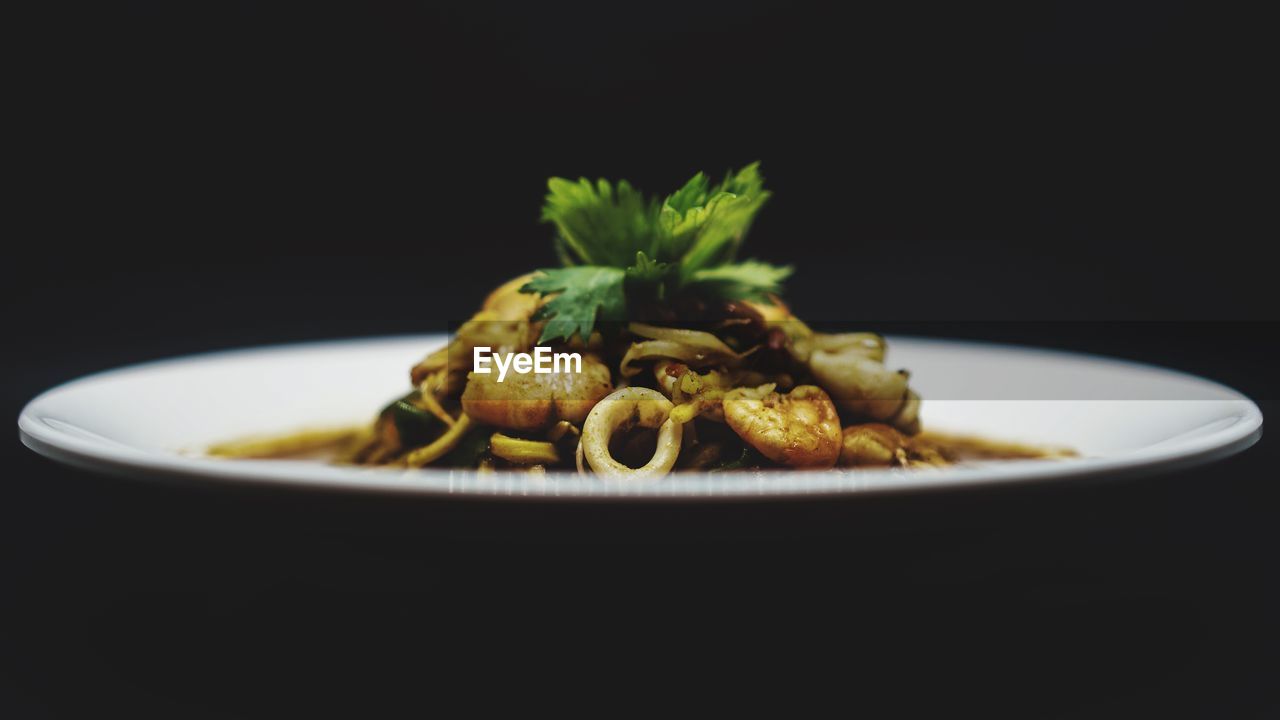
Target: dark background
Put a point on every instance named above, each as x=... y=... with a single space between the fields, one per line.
x=194 y=176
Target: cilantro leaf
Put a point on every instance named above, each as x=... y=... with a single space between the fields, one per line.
x=645 y=270
x=599 y=223
x=749 y=279
x=747 y=181
x=680 y=217
x=722 y=222
x=584 y=292
x=648 y=278
x=616 y=244
x=693 y=193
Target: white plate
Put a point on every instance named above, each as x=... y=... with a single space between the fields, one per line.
x=154 y=419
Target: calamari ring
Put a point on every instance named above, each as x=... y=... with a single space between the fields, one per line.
x=626 y=408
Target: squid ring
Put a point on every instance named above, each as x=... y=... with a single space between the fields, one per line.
x=623 y=409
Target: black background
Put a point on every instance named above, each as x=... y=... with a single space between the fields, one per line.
x=204 y=175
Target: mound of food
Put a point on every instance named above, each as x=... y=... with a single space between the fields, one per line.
x=685 y=358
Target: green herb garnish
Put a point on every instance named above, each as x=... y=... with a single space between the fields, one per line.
x=585 y=293
x=618 y=245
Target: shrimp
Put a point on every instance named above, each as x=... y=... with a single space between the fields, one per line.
x=799 y=429
x=877 y=444
x=871 y=444
x=535 y=401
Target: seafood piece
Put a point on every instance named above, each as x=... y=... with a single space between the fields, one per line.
x=862 y=385
x=534 y=401
x=624 y=409
x=872 y=444
x=798 y=429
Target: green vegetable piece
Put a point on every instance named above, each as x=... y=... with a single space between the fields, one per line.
x=750 y=458
x=471 y=449
x=617 y=244
x=586 y=293
x=414 y=425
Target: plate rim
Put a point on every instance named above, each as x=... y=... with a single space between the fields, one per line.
x=136 y=463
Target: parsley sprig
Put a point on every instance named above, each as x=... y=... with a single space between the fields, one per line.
x=617 y=245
